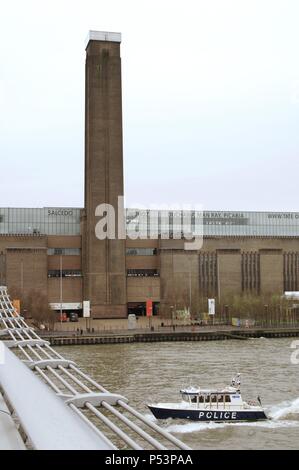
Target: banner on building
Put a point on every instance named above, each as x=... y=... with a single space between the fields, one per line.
x=149 y=308
x=86 y=308
x=211 y=303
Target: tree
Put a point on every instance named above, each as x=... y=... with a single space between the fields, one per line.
x=34 y=304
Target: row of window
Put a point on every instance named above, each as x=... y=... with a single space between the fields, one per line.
x=143 y=273
x=64 y=273
x=251 y=272
x=291 y=271
x=208 y=273
x=213 y=223
x=64 y=251
x=141 y=251
x=36 y=221
x=42 y=229
x=211 y=399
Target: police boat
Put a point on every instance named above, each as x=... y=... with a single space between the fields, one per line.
x=212 y=405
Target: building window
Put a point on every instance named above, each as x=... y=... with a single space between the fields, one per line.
x=64 y=251
x=141 y=251
x=250 y=272
x=208 y=273
x=65 y=273
x=143 y=273
x=291 y=271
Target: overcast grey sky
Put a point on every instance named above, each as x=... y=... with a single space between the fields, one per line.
x=210 y=101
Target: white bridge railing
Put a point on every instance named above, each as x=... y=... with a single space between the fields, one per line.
x=53 y=404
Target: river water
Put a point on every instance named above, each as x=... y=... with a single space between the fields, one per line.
x=154 y=372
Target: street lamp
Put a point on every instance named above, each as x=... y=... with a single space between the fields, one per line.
x=190 y=285
x=172 y=319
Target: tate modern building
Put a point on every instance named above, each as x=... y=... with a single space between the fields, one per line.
x=56 y=251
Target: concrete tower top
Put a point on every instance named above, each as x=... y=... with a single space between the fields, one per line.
x=102 y=36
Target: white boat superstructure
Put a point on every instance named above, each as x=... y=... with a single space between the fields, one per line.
x=211 y=405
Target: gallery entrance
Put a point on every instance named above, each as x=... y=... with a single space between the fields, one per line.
x=139 y=308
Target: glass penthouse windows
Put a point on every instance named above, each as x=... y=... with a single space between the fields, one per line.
x=213 y=223
x=152 y=224
x=40 y=221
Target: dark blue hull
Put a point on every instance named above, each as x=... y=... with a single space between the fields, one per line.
x=200 y=415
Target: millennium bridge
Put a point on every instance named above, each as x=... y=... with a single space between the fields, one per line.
x=48 y=403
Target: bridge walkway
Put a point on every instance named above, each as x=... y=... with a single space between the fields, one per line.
x=56 y=405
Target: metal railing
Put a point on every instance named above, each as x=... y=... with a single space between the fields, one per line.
x=57 y=406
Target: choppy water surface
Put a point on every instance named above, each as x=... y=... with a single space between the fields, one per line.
x=154 y=372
